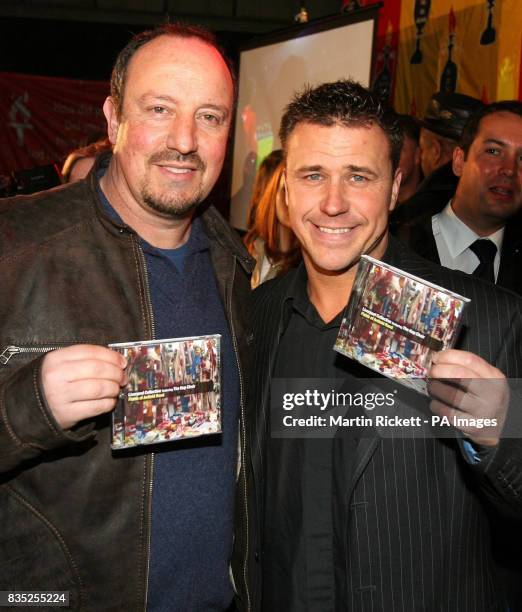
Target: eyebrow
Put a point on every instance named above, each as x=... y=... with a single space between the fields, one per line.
x=363 y=169
x=309 y=169
x=501 y=143
x=166 y=98
x=350 y=167
x=151 y=94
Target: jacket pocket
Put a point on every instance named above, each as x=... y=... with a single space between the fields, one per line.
x=34 y=555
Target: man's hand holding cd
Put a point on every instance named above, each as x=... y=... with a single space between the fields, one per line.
x=471 y=393
x=82 y=381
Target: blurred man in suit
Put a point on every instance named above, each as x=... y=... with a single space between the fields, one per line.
x=441 y=129
x=479 y=231
x=410 y=161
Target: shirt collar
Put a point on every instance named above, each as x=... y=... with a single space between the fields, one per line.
x=458 y=236
x=296 y=296
x=296 y=299
x=297 y=289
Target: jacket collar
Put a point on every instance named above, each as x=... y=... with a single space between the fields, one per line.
x=216 y=228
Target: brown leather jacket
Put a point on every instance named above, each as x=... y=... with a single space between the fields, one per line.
x=74 y=516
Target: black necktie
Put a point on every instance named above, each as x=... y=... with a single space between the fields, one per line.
x=485 y=250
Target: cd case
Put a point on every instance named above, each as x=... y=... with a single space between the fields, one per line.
x=174 y=391
x=394 y=322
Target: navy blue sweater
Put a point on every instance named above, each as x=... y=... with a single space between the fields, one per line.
x=194 y=480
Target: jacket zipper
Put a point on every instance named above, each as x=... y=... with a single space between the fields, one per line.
x=9 y=351
x=243 y=433
x=151 y=467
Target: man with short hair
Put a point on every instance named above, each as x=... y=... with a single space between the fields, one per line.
x=134 y=252
x=362 y=522
x=479 y=230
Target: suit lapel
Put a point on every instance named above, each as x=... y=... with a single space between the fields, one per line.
x=397 y=256
x=365 y=449
x=423 y=242
x=510 y=259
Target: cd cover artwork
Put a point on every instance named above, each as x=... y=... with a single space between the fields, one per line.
x=174 y=391
x=394 y=321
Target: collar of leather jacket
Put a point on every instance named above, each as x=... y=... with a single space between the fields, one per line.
x=215 y=225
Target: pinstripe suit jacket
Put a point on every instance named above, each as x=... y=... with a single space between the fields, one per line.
x=418 y=529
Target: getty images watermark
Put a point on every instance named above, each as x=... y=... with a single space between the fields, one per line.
x=353 y=407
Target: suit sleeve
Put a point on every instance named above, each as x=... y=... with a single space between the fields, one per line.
x=499 y=470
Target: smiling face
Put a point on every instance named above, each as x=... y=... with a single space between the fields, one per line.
x=489 y=190
x=171 y=137
x=340 y=189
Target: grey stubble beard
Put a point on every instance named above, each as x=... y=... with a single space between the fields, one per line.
x=174 y=207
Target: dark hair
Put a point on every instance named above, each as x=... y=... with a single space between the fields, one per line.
x=342 y=102
x=409 y=126
x=179 y=30
x=91 y=150
x=472 y=126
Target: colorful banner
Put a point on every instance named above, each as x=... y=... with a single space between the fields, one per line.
x=386 y=51
x=468 y=46
x=45 y=118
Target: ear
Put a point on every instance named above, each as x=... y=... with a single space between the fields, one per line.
x=281 y=203
x=458 y=161
x=396 y=185
x=111 y=115
x=284 y=189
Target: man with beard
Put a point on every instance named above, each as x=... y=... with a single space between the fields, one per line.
x=134 y=252
x=479 y=230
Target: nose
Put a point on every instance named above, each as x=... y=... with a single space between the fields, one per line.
x=182 y=135
x=510 y=164
x=334 y=201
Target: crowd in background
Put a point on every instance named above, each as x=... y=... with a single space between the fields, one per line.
x=435 y=170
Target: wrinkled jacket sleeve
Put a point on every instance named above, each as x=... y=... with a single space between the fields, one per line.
x=27 y=426
x=499 y=471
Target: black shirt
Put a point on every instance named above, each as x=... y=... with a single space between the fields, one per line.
x=307 y=476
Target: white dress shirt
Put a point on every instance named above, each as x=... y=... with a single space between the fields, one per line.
x=453 y=238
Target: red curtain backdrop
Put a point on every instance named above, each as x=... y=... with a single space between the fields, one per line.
x=44 y=118
x=469 y=46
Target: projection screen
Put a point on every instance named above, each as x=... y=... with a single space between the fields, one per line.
x=273 y=68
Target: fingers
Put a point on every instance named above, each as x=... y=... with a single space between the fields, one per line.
x=451 y=392
x=84 y=352
x=90 y=409
x=470 y=392
x=90 y=369
x=87 y=390
x=453 y=363
x=470 y=395
x=82 y=381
